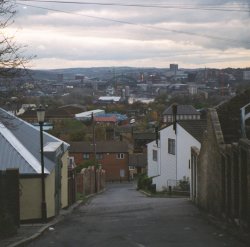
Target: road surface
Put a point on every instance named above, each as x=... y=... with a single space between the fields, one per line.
x=124 y=217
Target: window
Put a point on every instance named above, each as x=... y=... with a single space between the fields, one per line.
x=155 y=155
x=171 y=146
x=120 y=156
x=169 y=118
x=86 y=156
x=99 y=156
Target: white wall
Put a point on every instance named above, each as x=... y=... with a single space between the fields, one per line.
x=153 y=166
x=184 y=143
x=169 y=167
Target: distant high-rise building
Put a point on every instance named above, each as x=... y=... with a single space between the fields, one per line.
x=173 y=67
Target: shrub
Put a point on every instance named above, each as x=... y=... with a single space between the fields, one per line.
x=144 y=182
x=184 y=184
x=86 y=164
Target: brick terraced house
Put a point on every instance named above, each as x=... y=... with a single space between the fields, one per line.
x=113 y=156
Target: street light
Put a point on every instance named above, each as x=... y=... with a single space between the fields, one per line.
x=40 y=117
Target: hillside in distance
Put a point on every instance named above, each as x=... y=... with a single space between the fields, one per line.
x=95 y=72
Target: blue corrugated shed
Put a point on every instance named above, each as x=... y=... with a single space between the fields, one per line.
x=119 y=117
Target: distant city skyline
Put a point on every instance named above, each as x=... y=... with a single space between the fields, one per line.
x=192 y=34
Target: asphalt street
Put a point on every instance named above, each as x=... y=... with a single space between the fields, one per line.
x=124 y=217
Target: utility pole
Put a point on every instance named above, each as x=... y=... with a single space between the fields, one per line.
x=94 y=147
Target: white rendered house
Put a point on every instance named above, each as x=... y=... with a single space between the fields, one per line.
x=169 y=161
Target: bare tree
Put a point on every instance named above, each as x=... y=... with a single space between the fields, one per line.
x=11 y=54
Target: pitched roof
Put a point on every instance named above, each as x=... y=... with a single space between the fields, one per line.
x=230 y=116
x=182 y=110
x=105 y=119
x=88 y=114
x=101 y=147
x=109 y=98
x=195 y=128
x=61 y=112
x=20 y=146
x=144 y=136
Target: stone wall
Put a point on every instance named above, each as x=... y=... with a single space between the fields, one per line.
x=223 y=175
x=209 y=167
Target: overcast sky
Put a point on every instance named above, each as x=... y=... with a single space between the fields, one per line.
x=192 y=33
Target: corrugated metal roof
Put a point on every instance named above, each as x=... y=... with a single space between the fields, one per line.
x=20 y=145
x=109 y=98
x=88 y=114
x=119 y=117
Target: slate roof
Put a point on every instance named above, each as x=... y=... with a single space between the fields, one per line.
x=62 y=112
x=195 y=128
x=101 y=147
x=230 y=116
x=144 y=136
x=20 y=145
x=182 y=110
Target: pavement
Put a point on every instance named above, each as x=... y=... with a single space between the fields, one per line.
x=28 y=232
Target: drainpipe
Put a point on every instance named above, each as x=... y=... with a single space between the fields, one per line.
x=174 y=110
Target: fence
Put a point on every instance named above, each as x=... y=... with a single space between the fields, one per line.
x=90 y=180
x=9 y=201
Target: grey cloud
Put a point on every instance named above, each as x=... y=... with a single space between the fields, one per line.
x=227 y=25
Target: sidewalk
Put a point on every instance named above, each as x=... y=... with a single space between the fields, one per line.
x=28 y=232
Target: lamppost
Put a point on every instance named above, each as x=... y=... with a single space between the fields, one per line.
x=40 y=117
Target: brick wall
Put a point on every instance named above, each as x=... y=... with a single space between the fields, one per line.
x=110 y=163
